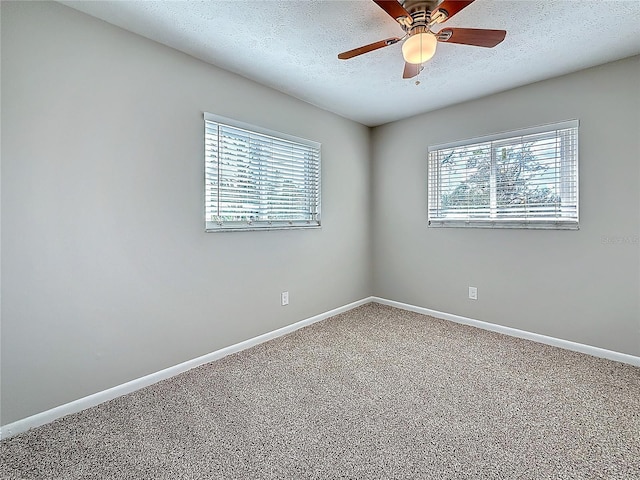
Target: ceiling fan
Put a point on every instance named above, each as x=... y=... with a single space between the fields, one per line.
x=417 y=17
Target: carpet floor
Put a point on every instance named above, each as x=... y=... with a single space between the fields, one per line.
x=373 y=393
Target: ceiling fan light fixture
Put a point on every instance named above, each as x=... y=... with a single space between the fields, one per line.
x=419 y=47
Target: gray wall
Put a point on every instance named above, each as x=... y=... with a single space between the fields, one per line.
x=581 y=285
x=107 y=273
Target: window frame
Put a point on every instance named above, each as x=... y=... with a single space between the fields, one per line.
x=313 y=195
x=490 y=221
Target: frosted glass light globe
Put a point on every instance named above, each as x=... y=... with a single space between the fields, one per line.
x=419 y=48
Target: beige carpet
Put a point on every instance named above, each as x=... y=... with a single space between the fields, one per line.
x=374 y=393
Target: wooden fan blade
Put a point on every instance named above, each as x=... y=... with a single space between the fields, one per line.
x=478 y=37
x=367 y=48
x=411 y=70
x=393 y=8
x=450 y=8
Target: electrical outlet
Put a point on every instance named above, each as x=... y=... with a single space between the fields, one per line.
x=284 y=297
x=473 y=293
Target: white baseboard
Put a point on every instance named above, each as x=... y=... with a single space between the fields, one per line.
x=75 y=406
x=514 y=332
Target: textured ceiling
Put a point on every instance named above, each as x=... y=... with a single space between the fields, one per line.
x=292 y=46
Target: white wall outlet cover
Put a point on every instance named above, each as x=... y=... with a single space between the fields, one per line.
x=473 y=293
x=284 y=297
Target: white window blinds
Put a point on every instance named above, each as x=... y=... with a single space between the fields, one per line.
x=522 y=179
x=258 y=179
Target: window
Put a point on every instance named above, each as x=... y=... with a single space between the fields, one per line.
x=520 y=179
x=256 y=179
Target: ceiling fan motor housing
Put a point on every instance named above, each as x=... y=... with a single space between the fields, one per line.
x=420 y=11
x=413 y=6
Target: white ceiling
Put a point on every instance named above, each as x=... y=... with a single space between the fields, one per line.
x=292 y=46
